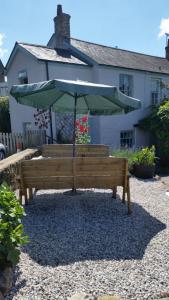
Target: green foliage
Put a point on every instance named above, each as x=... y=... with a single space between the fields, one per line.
x=11 y=228
x=5 y=124
x=158 y=124
x=145 y=156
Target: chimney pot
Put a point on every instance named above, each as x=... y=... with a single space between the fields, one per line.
x=59 y=9
x=167 y=50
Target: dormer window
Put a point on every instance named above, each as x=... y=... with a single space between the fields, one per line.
x=23 y=77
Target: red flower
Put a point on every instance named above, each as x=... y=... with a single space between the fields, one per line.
x=85 y=119
x=77 y=122
x=82 y=128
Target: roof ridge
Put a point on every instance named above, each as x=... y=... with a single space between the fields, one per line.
x=118 y=48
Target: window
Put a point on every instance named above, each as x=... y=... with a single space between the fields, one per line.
x=126 y=84
x=27 y=126
x=126 y=139
x=23 y=77
x=155 y=91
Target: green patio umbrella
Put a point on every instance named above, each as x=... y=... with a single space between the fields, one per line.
x=74 y=97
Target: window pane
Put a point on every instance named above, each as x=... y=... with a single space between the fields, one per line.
x=126 y=139
x=155 y=91
x=126 y=84
x=23 y=77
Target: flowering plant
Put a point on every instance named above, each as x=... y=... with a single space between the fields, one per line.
x=82 y=131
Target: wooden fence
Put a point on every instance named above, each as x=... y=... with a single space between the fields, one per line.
x=15 y=142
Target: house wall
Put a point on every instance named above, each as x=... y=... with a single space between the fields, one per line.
x=35 y=71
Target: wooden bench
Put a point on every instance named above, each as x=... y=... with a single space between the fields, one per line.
x=9 y=167
x=66 y=150
x=75 y=173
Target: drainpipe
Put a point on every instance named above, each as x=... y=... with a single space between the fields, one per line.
x=50 y=108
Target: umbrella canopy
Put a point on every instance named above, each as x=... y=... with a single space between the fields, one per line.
x=74 y=97
x=61 y=94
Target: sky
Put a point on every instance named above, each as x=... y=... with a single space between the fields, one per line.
x=136 y=25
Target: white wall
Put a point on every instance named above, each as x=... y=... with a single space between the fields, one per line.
x=35 y=71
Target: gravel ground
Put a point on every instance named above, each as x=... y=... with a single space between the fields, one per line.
x=88 y=243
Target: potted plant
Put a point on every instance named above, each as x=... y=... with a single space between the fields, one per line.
x=143 y=165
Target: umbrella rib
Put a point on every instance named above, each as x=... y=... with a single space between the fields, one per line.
x=86 y=102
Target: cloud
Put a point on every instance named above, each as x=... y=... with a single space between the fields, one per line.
x=2 y=50
x=164 y=27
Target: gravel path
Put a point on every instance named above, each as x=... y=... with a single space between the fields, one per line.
x=88 y=243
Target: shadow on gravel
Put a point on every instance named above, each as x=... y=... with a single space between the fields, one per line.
x=16 y=286
x=92 y=226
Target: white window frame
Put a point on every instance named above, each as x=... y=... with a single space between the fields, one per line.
x=126 y=84
x=155 y=91
x=126 y=139
x=23 y=77
x=27 y=126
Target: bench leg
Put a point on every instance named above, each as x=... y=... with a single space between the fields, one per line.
x=20 y=196
x=128 y=199
x=124 y=195
x=114 y=192
x=26 y=196
x=30 y=194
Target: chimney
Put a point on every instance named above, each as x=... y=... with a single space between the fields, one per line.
x=62 y=28
x=167 y=50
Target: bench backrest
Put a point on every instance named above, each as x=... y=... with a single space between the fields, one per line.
x=100 y=172
x=66 y=150
x=47 y=173
x=80 y=172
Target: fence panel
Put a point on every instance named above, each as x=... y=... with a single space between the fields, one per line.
x=20 y=141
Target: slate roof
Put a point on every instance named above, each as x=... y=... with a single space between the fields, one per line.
x=103 y=55
x=46 y=53
x=116 y=57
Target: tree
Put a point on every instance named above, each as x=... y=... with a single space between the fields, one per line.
x=5 y=123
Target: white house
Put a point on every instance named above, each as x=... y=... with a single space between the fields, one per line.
x=138 y=75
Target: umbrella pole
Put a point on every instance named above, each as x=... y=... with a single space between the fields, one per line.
x=74 y=127
x=74 y=146
x=51 y=129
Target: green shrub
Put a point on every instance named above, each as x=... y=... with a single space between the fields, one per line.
x=5 y=123
x=145 y=156
x=11 y=228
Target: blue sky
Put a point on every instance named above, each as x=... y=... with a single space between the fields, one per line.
x=129 y=24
